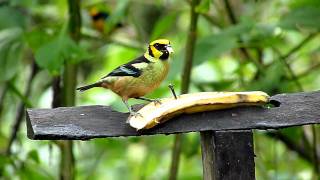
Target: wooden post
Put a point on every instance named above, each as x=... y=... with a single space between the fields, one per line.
x=227 y=155
x=207 y=151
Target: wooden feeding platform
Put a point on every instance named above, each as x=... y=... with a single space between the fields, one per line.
x=226 y=135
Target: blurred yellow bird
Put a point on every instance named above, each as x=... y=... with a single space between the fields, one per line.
x=139 y=76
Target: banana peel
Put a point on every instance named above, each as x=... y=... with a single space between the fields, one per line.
x=155 y=113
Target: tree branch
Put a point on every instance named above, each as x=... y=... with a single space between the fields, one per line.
x=2 y=96
x=230 y=13
x=315 y=151
x=306 y=72
x=244 y=51
x=283 y=59
x=21 y=107
x=192 y=35
x=302 y=152
x=235 y=21
x=212 y=20
x=291 y=73
x=186 y=74
x=299 y=46
x=67 y=160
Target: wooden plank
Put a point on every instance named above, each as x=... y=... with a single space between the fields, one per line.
x=234 y=155
x=88 y=122
x=227 y=155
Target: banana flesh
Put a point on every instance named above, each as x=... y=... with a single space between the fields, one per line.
x=153 y=114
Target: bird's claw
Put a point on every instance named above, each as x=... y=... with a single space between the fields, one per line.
x=133 y=114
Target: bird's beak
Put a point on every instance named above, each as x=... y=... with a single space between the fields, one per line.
x=169 y=48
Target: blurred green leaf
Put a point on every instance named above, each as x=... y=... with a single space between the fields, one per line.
x=192 y=139
x=18 y=92
x=36 y=38
x=33 y=155
x=244 y=27
x=204 y=6
x=74 y=52
x=11 y=17
x=177 y=63
x=117 y=15
x=265 y=36
x=301 y=3
x=303 y=17
x=214 y=45
x=221 y=85
x=32 y=171
x=163 y=25
x=10 y=52
x=51 y=56
x=4 y=160
x=269 y=82
x=293 y=133
x=3 y=142
x=27 y=3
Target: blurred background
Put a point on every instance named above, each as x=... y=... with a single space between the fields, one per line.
x=48 y=47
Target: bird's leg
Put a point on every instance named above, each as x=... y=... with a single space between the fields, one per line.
x=155 y=101
x=132 y=113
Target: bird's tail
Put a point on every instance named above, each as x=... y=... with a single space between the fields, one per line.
x=84 y=88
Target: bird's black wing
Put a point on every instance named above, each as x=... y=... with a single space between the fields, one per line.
x=128 y=69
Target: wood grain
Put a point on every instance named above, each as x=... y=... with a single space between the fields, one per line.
x=234 y=155
x=228 y=155
x=87 y=122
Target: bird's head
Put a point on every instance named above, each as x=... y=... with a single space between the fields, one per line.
x=160 y=49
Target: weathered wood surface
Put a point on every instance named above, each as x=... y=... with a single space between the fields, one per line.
x=234 y=155
x=208 y=155
x=228 y=155
x=87 y=122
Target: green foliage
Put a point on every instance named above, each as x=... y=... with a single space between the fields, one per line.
x=33 y=155
x=215 y=45
x=303 y=3
x=10 y=52
x=11 y=18
x=275 y=74
x=164 y=25
x=302 y=18
x=117 y=15
x=263 y=36
x=204 y=6
x=36 y=38
x=53 y=54
x=37 y=30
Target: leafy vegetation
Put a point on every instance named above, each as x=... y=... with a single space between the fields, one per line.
x=266 y=45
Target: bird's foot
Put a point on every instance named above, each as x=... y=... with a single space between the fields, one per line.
x=133 y=114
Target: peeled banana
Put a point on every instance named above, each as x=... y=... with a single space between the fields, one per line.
x=155 y=113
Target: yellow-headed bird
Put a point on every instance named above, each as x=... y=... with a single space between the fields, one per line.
x=139 y=76
x=98 y=19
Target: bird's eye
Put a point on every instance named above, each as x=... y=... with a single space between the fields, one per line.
x=156 y=45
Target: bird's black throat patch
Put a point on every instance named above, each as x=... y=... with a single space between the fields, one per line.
x=165 y=55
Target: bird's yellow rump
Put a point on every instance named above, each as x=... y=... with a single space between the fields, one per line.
x=139 y=76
